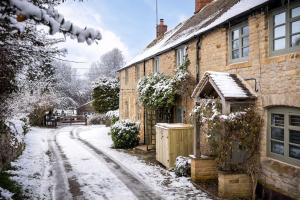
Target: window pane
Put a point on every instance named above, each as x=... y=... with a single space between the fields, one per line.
x=235 y=34
x=279 y=31
x=277 y=133
x=279 y=44
x=279 y=19
x=294 y=152
x=296 y=27
x=235 y=44
x=294 y=137
x=295 y=40
x=277 y=119
x=235 y=54
x=277 y=147
x=245 y=41
x=245 y=30
x=296 y=12
x=245 y=52
x=295 y=120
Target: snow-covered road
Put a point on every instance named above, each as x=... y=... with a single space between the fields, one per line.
x=77 y=162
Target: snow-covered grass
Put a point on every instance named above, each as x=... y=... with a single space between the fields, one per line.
x=161 y=180
x=32 y=169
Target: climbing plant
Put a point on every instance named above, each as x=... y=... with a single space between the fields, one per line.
x=159 y=90
x=226 y=134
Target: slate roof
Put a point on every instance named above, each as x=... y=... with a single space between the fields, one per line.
x=226 y=85
x=215 y=13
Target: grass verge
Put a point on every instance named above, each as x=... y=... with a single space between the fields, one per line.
x=12 y=186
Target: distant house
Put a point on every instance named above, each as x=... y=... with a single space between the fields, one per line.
x=256 y=45
x=86 y=109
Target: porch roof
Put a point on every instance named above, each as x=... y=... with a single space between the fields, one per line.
x=225 y=85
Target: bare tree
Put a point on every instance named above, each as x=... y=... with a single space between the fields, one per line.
x=108 y=65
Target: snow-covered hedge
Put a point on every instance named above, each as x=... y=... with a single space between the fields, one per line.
x=125 y=134
x=183 y=166
x=113 y=116
x=96 y=119
x=17 y=129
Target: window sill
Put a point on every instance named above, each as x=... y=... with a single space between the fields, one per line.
x=241 y=64
x=269 y=160
x=278 y=58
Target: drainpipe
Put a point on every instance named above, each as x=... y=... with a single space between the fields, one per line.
x=144 y=74
x=197 y=151
x=198 y=48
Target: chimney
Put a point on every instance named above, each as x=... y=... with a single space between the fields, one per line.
x=161 y=28
x=199 y=4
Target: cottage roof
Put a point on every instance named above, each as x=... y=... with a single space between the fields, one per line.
x=226 y=85
x=215 y=13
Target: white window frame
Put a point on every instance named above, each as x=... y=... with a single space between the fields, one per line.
x=156 y=64
x=181 y=53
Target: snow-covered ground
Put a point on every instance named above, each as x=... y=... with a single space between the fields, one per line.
x=77 y=162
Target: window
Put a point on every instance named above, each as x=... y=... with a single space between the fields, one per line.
x=137 y=72
x=156 y=65
x=126 y=109
x=126 y=76
x=285 y=30
x=239 y=42
x=284 y=134
x=180 y=56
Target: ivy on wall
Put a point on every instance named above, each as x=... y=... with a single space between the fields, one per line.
x=159 y=91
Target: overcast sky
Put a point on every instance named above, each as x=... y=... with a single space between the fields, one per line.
x=126 y=24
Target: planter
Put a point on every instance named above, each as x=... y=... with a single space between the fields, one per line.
x=203 y=168
x=233 y=185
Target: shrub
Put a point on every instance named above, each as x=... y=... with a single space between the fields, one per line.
x=106 y=94
x=113 y=116
x=96 y=119
x=26 y=125
x=183 y=166
x=125 y=134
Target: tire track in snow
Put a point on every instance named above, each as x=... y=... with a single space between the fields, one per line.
x=137 y=186
x=66 y=187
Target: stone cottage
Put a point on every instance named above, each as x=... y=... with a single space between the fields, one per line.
x=257 y=44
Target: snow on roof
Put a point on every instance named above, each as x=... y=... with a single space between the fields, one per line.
x=214 y=14
x=230 y=86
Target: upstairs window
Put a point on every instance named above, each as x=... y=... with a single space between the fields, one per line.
x=285 y=30
x=126 y=76
x=239 y=42
x=156 y=65
x=180 y=56
x=284 y=134
x=137 y=73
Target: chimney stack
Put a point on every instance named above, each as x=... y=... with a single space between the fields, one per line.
x=161 y=28
x=199 y=4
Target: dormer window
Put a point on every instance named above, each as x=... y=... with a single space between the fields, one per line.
x=239 y=42
x=180 y=56
x=156 y=65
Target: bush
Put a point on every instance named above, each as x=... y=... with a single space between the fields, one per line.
x=113 y=116
x=96 y=119
x=125 y=134
x=26 y=125
x=183 y=166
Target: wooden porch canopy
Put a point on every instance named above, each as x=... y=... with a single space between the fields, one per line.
x=231 y=88
x=233 y=91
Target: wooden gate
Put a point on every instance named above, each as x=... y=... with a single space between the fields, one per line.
x=152 y=117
